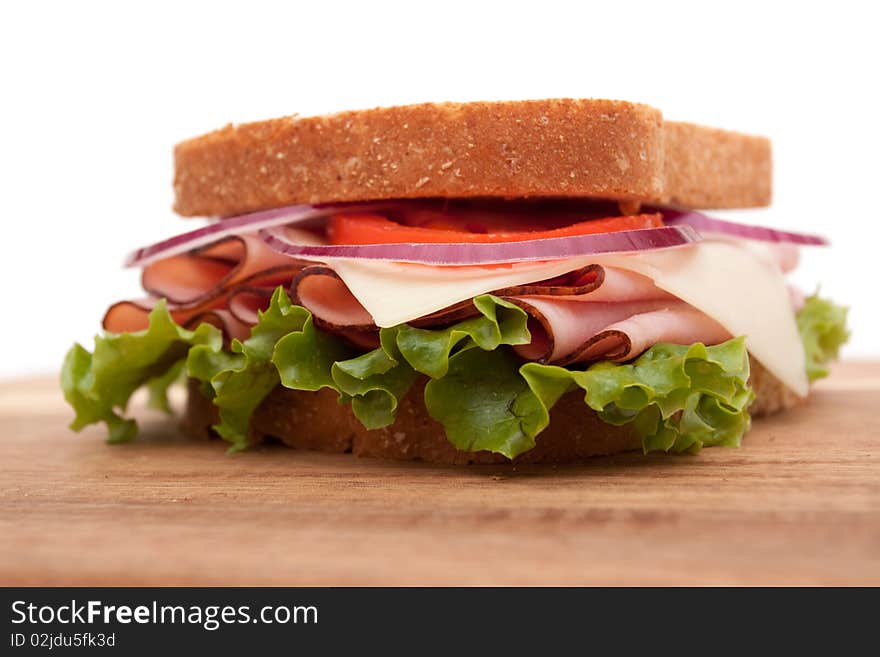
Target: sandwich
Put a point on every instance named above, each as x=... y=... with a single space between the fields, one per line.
x=466 y=283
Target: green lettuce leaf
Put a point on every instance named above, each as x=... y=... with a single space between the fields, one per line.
x=499 y=322
x=822 y=325
x=677 y=397
x=304 y=359
x=158 y=387
x=372 y=382
x=484 y=403
x=98 y=385
x=376 y=381
x=240 y=380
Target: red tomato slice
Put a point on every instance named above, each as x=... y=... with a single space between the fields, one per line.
x=376 y=229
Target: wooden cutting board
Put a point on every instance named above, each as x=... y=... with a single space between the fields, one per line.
x=799 y=503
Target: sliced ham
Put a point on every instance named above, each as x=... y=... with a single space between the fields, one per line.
x=561 y=327
x=788 y=256
x=618 y=285
x=241 y=302
x=592 y=313
x=320 y=289
x=246 y=302
x=224 y=320
x=322 y=292
x=798 y=298
x=678 y=324
x=130 y=316
x=195 y=276
x=226 y=283
x=568 y=330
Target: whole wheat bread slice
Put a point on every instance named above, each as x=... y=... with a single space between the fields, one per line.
x=521 y=149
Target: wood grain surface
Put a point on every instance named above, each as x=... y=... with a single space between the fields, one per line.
x=799 y=503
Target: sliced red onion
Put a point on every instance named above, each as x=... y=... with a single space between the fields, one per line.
x=679 y=231
x=706 y=224
x=482 y=253
x=292 y=214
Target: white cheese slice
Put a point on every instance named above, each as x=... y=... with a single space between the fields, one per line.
x=742 y=290
x=733 y=284
x=395 y=292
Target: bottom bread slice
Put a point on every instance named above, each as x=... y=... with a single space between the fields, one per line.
x=316 y=420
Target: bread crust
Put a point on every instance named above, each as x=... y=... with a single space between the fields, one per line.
x=316 y=420
x=518 y=149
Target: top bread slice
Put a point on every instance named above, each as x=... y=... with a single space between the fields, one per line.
x=519 y=149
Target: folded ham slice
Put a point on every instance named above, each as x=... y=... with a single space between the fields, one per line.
x=133 y=315
x=240 y=302
x=588 y=314
x=333 y=306
x=225 y=283
x=592 y=313
x=201 y=273
x=320 y=289
x=572 y=330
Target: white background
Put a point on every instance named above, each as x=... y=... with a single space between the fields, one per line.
x=94 y=95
